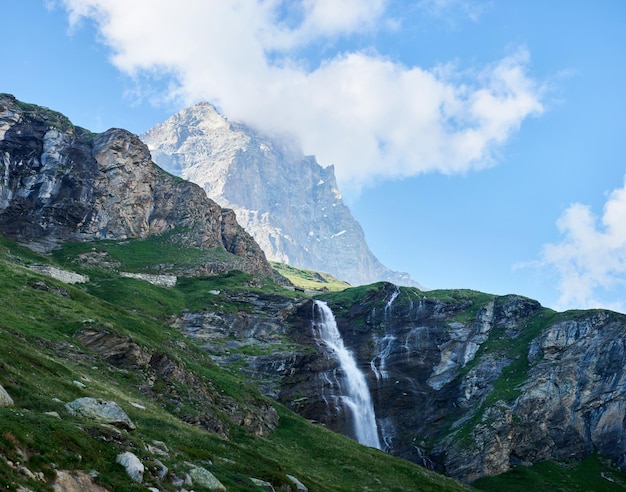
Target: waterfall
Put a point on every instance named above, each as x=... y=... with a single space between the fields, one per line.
x=356 y=398
x=384 y=346
x=393 y=297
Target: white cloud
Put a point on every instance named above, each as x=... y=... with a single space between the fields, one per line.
x=591 y=257
x=373 y=118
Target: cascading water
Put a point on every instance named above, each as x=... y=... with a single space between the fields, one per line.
x=389 y=304
x=385 y=345
x=383 y=348
x=356 y=396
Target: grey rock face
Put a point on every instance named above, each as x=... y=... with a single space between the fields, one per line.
x=490 y=381
x=257 y=416
x=133 y=465
x=265 y=329
x=63 y=183
x=462 y=382
x=288 y=202
x=107 y=412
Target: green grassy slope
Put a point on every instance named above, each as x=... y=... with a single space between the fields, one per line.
x=310 y=280
x=43 y=365
x=593 y=474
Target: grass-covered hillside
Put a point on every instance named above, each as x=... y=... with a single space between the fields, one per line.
x=310 y=280
x=109 y=339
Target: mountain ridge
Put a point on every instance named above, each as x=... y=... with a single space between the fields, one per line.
x=463 y=382
x=287 y=201
x=64 y=183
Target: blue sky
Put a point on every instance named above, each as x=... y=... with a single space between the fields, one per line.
x=480 y=144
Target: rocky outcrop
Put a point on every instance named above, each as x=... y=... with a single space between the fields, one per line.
x=170 y=382
x=107 y=412
x=64 y=276
x=75 y=481
x=162 y=280
x=258 y=337
x=572 y=402
x=63 y=183
x=288 y=202
x=202 y=477
x=471 y=384
x=462 y=382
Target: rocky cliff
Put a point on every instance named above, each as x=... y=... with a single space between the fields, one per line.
x=462 y=382
x=63 y=183
x=288 y=202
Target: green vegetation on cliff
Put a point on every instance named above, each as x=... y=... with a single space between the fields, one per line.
x=45 y=363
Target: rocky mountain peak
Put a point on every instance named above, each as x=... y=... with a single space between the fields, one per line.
x=288 y=202
x=64 y=183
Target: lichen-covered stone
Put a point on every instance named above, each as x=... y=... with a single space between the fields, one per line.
x=107 y=412
x=204 y=478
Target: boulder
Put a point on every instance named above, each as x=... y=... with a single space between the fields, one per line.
x=204 y=478
x=133 y=465
x=5 y=398
x=107 y=412
x=300 y=487
x=262 y=484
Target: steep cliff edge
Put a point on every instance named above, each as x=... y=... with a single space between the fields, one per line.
x=463 y=382
x=473 y=384
x=288 y=202
x=63 y=183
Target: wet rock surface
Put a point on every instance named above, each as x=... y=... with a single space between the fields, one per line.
x=465 y=383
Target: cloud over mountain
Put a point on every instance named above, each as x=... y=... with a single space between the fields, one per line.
x=369 y=115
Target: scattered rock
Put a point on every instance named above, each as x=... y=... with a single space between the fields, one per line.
x=204 y=478
x=300 y=487
x=46 y=288
x=5 y=398
x=134 y=467
x=118 y=350
x=53 y=414
x=79 y=384
x=64 y=276
x=158 y=447
x=107 y=412
x=161 y=280
x=27 y=473
x=262 y=483
x=77 y=481
x=160 y=469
